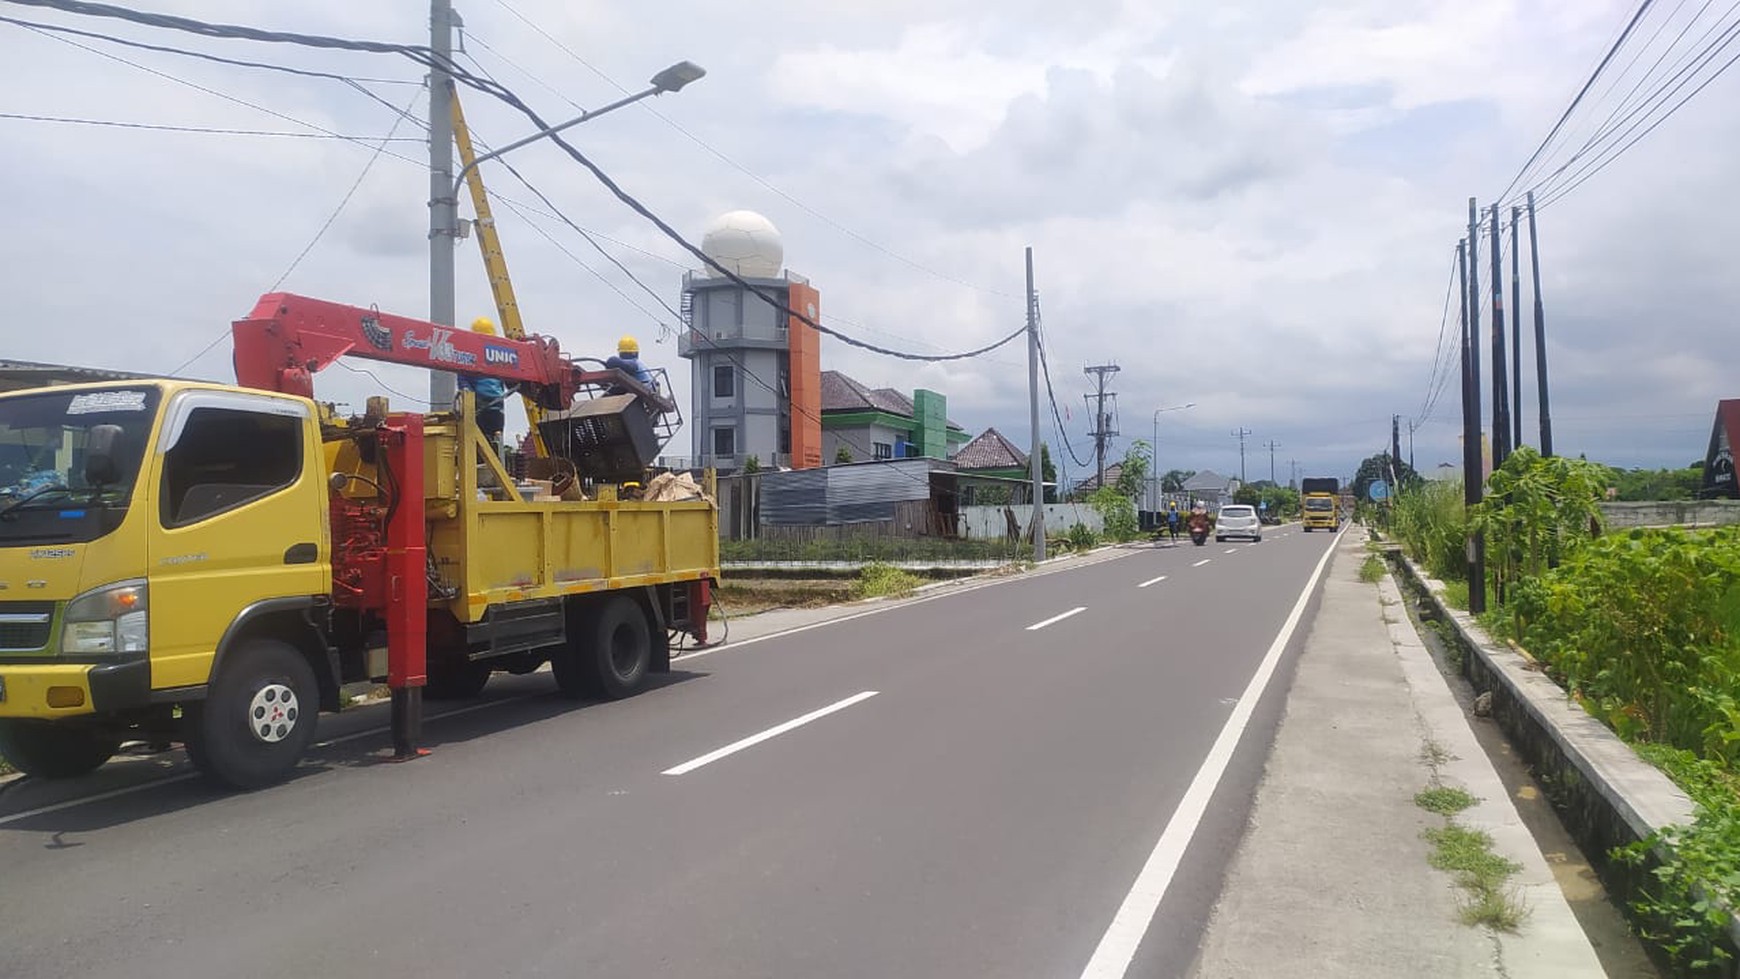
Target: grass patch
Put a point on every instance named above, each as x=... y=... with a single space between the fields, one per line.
x=1456 y=594
x=884 y=581
x=1443 y=800
x=6 y=767
x=1467 y=853
x=1371 y=571
x=748 y=596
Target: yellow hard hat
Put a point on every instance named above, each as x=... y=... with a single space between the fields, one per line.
x=628 y=345
x=483 y=325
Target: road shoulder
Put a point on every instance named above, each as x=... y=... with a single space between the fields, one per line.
x=1332 y=877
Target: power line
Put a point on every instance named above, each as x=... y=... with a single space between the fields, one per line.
x=739 y=167
x=358 y=182
x=1613 y=152
x=1642 y=8
x=1440 y=373
x=425 y=56
x=577 y=260
x=361 y=141
x=206 y=130
x=286 y=69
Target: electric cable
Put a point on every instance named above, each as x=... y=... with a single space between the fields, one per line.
x=348 y=194
x=205 y=130
x=1642 y=8
x=727 y=160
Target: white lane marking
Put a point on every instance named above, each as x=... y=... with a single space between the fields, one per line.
x=185 y=776
x=1152 y=581
x=1111 y=959
x=1232 y=550
x=1202 y=562
x=772 y=732
x=1035 y=627
x=99 y=797
x=710 y=650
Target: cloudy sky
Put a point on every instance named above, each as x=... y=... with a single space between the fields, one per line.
x=1249 y=206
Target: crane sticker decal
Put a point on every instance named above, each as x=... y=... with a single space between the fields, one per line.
x=378 y=336
x=439 y=343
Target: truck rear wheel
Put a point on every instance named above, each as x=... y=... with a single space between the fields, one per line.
x=608 y=653
x=49 y=749
x=258 y=717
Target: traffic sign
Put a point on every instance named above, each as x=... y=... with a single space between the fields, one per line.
x=1378 y=491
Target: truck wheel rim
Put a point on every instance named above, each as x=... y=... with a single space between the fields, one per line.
x=272 y=714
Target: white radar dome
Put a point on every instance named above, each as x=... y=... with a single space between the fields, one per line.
x=746 y=243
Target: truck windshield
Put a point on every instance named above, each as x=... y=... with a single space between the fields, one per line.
x=45 y=495
x=1318 y=503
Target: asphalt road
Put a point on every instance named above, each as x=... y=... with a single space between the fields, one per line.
x=985 y=783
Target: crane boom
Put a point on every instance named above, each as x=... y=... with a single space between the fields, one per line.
x=501 y=286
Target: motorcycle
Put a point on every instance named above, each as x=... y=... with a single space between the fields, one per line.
x=1199 y=537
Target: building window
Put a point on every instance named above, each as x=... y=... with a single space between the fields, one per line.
x=883 y=450
x=724 y=441
x=724 y=381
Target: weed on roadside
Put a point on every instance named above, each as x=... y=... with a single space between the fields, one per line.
x=1435 y=755
x=884 y=581
x=1372 y=570
x=5 y=767
x=1443 y=800
x=1467 y=853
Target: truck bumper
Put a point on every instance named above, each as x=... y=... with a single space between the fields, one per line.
x=50 y=690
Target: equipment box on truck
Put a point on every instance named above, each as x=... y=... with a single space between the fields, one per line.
x=211 y=563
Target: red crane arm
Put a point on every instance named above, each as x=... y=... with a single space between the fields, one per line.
x=289 y=338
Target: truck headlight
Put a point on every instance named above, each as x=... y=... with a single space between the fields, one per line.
x=107 y=620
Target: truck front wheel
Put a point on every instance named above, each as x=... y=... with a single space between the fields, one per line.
x=49 y=749
x=258 y=717
x=608 y=653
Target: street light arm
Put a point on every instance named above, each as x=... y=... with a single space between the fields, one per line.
x=459 y=179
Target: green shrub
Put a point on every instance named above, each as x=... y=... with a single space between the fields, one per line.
x=1081 y=537
x=863 y=549
x=1431 y=523
x=1643 y=628
x=1118 y=511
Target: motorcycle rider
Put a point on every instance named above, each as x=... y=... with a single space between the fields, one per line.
x=1199 y=522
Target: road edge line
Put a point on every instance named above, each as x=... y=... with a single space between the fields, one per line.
x=1123 y=936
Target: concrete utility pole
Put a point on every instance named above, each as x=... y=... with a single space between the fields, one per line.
x=1473 y=479
x=1516 y=436
x=1240 y=434
x=1540 y=336
x=443 y=204
x=1292 y=474
x=1035 y=471
x=1273 y=445
x=1500 y=386
x=1103 y=430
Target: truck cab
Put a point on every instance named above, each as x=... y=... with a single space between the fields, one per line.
x=145 y=527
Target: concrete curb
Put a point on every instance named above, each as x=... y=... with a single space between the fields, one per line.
x=1614 y=797
x=1550 y=942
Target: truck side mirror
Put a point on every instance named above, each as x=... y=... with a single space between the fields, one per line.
x=101 y=469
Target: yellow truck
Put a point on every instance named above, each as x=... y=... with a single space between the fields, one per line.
x=211 y=563
x=1320 y=503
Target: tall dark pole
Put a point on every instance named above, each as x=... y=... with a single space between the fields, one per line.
x=1500 y=386
x=1473 y=474
x=1540 y=336
x=1395 y=441
x=1516 y=435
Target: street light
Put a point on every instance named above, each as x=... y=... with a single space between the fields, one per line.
x=1154 y=450
x=672 y=79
